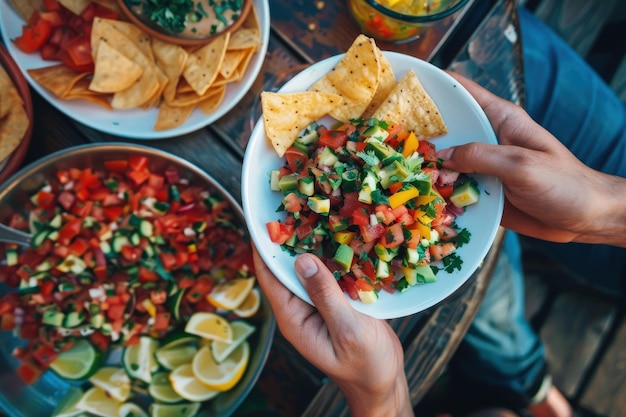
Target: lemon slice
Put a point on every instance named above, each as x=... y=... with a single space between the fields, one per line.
x=131 y=410
x=221 y=376
x=250 y=305
x=161 y=389
x=139 y=360
x=210 y=326
x=174 y=410
x=96 y=401
x=185 y=383
x=241 y=331
x=78 y=362
x=114 y=381
x=230 y=294
x=67 y=405
x=177 y=353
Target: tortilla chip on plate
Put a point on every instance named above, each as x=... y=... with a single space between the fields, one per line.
x=170 y=117
x=285 y=115
x=13 y=118
x=58 y=79
x=386 y=84
x=355 y=78
x=113 y=71
x=411 y=106
x=203 y=64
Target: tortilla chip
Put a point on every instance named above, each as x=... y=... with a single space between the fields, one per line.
x=386 y=84
x=171 y=59
x=80 y=90
x=286 y=115
x=57 y=79
x=355 y=78
x=26 y=8
x=113 y=71
x=213 y=101
x=170 y=117
x=244 y=38
x=75 y=6
x=13 y=118
x=203 y=64
x=411 y=106
x=137 y=36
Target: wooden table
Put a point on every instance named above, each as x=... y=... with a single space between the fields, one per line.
x=482 y=42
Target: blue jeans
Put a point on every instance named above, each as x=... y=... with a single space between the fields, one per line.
x=564 y=94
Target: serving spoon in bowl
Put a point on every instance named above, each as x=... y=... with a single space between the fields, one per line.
x=11 y=235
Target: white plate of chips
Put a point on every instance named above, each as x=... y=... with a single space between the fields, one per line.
x=135 y=123
x=465 y=122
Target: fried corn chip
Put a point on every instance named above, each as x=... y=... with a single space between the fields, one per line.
x=13 y=118
x=286 y=115
x=386 y=84
x=203 y=64
x=58 y=79
x=410 y=105
x=113 y=71
x=170 y=117
x=355 y=78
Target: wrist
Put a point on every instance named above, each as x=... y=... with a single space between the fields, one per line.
x=394 y=402
x=607 y=222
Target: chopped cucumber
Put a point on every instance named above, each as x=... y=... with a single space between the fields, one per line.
x=465 y=195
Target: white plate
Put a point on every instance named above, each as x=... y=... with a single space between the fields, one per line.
x=466 y=122
x=134 y=123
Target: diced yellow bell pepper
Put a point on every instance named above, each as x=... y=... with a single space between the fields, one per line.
x=402 y=197
x=149 y=307
x=343 y=237
x=410 y=145
x=424 y=230
x=424 y=199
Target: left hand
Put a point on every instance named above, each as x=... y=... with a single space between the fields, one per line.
x=361 y=354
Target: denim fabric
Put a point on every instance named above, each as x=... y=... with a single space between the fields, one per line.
x=501 y=353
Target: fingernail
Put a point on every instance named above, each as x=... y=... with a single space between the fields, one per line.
x=305 y=267
x=446 y=153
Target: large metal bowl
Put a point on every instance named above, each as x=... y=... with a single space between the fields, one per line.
x=39 y=399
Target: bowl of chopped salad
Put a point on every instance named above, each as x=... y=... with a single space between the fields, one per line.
x=367 y=193
x=136 y=294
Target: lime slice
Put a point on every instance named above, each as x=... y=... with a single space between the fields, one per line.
x=161 y=390
x=131 y=410
x=114 y=381
x=139 y=360
x=174 y=410
x=78 y=362
x=177 y=352
x=185 y=383
x=241 y=331
x=210 y=326
x=67 y=405
x=96 y=401
x=230 y=294
x=221 y=376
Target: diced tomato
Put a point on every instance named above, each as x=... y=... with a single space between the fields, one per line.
x=393 y=236
x=34 y=37
x=29 y=371
x=45 y=355
x=372 y=232
x=117 y=165
x=69 y=230
x=45 y=199
x=427 y=149
x=137 y=162
x=333 y=138
x=445 y=190
x=296 y=158
x=360 y=217
x=292 y=203
x=52 y=5
x=279 y=232
x=100 y=341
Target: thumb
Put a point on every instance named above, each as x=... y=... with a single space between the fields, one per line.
x=323 y=289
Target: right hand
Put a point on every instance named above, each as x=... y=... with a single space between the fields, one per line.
x=550 y=194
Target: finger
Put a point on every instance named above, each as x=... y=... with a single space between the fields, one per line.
x=517 y=220
x=325 y=294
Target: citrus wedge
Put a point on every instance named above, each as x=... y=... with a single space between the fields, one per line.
x=78 y=362
x=139 y=360
x=250 y=305
x=161 y=389
x=210 y=326
x=131 y=410
x=177 y=353
x=96 y=401
x=185 y=383
x=221 y=376
x=67 y=405
x=114 y=381
x=174 y=410
x=241 y=331
x=230 y=294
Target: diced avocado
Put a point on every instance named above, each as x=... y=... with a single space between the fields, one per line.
x=11 y=256
x=97 y=321
x=466 y=194
x=368 y=297
x=419 y=274
x=306 y=186
x=385 y=254
x=53 y=318
x=381 y=150
x=375 y=133
x=365 y=195
x=343 y=256
x=73 y=319
x=382 y=269
x=56 y=221
x=274 y=180
x=412 y=256
x=319 y=204
x=309 y=135
x=119 y=241
x=391 y=173
x=288 y=182
x=328 y=157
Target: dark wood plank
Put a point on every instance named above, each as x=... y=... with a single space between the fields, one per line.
x=606 y=394
x=579 y=22
x=577 y=324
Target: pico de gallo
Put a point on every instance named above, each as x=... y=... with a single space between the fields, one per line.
x=117 y=253
x=374 y=203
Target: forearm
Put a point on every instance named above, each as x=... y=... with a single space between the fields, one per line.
x=608 y=221
x=394 y=403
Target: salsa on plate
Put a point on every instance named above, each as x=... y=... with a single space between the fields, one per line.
x=374 y=203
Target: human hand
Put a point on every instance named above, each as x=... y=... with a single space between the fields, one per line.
x=549 y=193
x=362 y=355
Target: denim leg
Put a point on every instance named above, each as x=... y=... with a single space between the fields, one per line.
x=568 y=98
